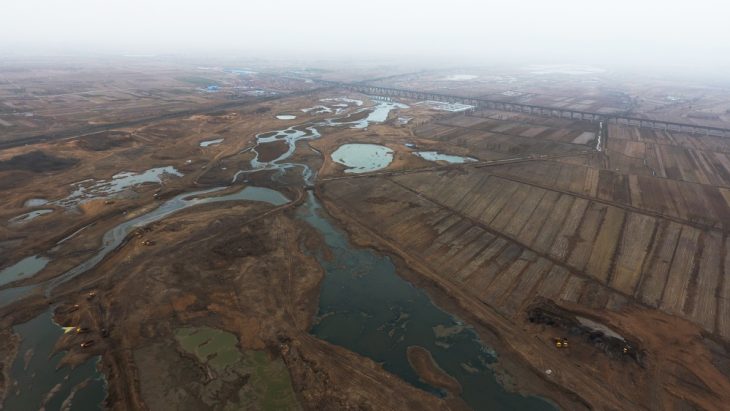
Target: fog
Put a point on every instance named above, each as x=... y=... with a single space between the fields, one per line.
x=690 y=34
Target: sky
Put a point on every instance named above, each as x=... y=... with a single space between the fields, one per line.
x=692 y=34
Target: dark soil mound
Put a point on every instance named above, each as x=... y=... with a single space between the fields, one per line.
x=105 y=141
x=37 y=162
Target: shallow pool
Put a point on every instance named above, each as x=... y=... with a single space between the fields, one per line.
x=211 y=142
x=24 y=218
x=436 y=156
x=362 y=158
x=22 y=269
x=286 y=117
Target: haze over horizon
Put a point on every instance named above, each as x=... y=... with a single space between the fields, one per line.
x=644 y=33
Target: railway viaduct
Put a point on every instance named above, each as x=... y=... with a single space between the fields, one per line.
x=539 y=110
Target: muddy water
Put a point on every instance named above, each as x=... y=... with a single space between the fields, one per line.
x=23 y=269
x=376 y=314
x=35 y=383
x=24 y=218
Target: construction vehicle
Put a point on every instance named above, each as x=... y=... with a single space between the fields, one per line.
x=565 y=343
x=91 y=295
x=74 y=308
x=148 y=243
x=82 y=330
x=558 y=342
x=87 y=344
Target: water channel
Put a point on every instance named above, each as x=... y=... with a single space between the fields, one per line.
x=36 y=382
x=376 y=314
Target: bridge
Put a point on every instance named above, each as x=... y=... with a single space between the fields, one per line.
x=615 y=118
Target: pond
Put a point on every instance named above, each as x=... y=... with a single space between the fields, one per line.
x=436 y=156
x=211 y=142
x=362 y=158
x=22 y=269
x=286 y=117
x=35 y=202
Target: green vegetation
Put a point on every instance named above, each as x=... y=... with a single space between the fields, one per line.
x=268 y=386
x=200 y=81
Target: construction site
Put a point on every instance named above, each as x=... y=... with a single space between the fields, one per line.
x=166 y=246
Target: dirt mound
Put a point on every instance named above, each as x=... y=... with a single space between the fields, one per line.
x=37 y=162
x=424 y=364
x=260 y=110
x=105 y=140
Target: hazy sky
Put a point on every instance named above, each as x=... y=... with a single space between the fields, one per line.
x=640 y=32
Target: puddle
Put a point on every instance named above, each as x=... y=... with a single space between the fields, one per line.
x=24 y=218
x=285 y=117
x=22 y=269
x=72 y=235
x=366 y=308
x=211 y=142
x=461 y=77
x=35 y=202
x=435 y=156
x=120 y=185
x=39 y=384
x=362 y=158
